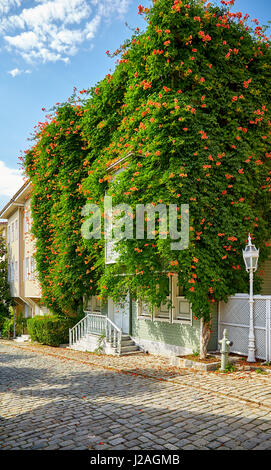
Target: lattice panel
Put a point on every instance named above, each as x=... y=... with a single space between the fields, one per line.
x=260 y=312
x=239 y=336
x=260 y=336
x=235 y=311
x=234 y=316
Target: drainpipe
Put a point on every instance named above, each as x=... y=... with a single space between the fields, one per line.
x=14 y=323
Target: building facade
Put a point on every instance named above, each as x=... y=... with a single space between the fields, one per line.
x=166 y=330
x=24 y=285
x=175 y=330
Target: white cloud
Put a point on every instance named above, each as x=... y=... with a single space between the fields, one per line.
x=53 y=30
x=10 y=180
x=26 y=40
x=7 y=5
x=15 y=72
x=92 y=26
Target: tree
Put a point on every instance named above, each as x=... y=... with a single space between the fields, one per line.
x=56 y=166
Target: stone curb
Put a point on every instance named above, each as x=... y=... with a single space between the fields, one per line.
x=191 y=364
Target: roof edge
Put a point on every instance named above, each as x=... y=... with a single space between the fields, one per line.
x=16 y=195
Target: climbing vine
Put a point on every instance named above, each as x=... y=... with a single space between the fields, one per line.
x=188 y=100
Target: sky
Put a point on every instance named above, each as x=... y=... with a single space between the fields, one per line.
x=48 y=47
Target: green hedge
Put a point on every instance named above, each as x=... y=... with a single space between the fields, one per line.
x=50 y=330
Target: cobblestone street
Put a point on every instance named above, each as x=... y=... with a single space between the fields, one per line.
x=53 y=402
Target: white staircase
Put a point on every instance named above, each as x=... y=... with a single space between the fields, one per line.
x=84 y=336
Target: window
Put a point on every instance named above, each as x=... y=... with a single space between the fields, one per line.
x=94 y=304
x=111 y=255
x=164 y=311
x=8 y=234
x=32 y=268
x=143 y=310
x=26 y=269
x=182 y=311
x=16 y=277
x=16 y=229
x=25 y=223
x=97 y=304
x=9 y=276
x=178 y=312
x=12 y=232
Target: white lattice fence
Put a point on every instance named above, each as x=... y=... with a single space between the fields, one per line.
x=234 y=315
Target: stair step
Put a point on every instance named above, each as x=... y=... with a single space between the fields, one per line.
x=129 y=348
x=127 y=343
x=131 y=352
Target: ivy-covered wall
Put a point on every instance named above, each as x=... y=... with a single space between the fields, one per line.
x=188 y=100
x=265 y=272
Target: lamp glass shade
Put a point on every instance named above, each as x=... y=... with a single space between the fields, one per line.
x=251 y=256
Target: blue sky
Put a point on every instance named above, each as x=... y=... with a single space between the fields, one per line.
x=49 y=46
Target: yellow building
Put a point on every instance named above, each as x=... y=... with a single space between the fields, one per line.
x=25 y=287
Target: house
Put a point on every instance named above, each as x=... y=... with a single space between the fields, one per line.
x=25 y=288
x=174 y=330
x=132 y=326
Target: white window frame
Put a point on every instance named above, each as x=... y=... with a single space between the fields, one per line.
x=26 y=269
x=157 y=312
x=32 y=268
x=94 y=304
x=16 y=277
x=176 y=303
x=172 y=316
x=154 y=312
x=24 y=225
x=16 y=229
x=111 y=255
x=139 y=311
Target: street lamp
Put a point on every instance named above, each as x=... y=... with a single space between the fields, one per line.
x=251 y=256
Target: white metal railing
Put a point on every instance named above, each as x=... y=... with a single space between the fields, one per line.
x=96 y=324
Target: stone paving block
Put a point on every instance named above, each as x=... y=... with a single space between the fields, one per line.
x=52 y=404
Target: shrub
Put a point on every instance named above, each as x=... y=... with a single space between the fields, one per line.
x=7 y=328
x=21 y=323
x=50 y=330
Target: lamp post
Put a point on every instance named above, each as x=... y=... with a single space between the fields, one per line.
x=251 y=256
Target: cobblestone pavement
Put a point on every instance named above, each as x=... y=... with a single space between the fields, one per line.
x=243 y=385
x=53 y=402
